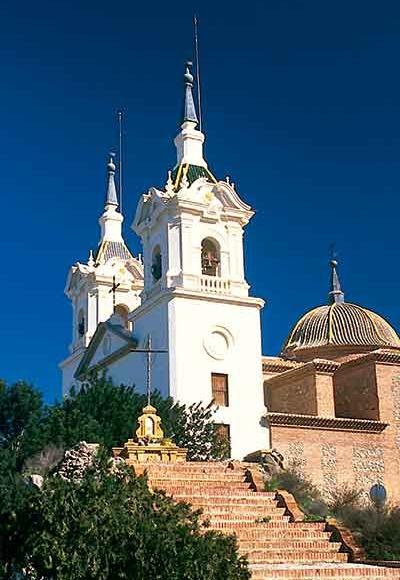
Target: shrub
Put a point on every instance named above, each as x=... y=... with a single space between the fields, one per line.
x=108 y=525
x=304 y=491
x=376 y=529
x=342 y=498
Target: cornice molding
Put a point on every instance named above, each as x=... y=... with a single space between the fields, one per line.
x=326 y=423
x=383 y=356
x=278 y=365
x=320 y=366
x=167 y=294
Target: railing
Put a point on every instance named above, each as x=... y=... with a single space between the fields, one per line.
x=214 y=284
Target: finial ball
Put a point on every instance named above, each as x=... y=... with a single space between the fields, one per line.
x=334 y=263
x=188 y=75
x=111 y=164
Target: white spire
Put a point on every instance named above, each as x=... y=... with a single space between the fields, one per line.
x=91 y=259
x=111 y=194
x=111 y=220
x=189 y=142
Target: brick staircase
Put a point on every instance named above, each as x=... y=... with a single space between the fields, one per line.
x=275 y=546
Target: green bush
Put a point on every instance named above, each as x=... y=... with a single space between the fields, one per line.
x=305 y=493
x=109 y=526
x=377 y=529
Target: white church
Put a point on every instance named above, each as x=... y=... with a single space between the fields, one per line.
x=187 y=297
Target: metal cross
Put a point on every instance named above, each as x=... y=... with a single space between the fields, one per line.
x=113 y=289
x=149 y=351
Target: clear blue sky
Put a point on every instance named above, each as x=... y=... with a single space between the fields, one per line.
x=301 y=108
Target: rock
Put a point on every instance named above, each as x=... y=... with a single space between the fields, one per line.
x=36 y=480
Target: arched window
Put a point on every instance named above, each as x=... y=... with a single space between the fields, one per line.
x=156 y=264
x=122 y=311
x=81 y=323
x=149 y=427
x=210 y=258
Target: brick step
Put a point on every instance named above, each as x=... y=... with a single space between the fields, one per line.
x=265 y=530
x=206 y=478
x=332 y=571
x=249 y=536
x=235 y=526
x=188 y=467
x=188 y=483
x=231 y=502
x=256 y=510
x=248 y=546
x=224 y=495
x=192 y=490
x=301 y=556
x=239 y=518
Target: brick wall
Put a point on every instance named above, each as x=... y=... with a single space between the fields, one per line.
x=356 y=392
x=331 y=458
x=291 y=395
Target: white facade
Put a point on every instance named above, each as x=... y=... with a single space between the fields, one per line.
x=195 y=301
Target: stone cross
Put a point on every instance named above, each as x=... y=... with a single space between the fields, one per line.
x=113 y=290
x=148 y=352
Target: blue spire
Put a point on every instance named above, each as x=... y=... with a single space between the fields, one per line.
x=111 y=194
x=335 y=295
x=189 y=109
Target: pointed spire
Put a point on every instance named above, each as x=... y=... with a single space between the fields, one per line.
x=111 y=219
x=169 y=186
x=335 y=295
x=91 y=259
x=184 y=181
x=189 y=141
x=111 y=194
x=189 y=109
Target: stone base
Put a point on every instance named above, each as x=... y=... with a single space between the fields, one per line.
x=133 y=453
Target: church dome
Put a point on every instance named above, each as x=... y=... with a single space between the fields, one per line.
x=338 y=329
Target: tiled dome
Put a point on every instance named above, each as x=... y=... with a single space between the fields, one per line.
x=339 y=324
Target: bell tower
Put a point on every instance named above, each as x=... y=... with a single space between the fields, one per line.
x=110 y=282
x=192 y=232
x=195 y=301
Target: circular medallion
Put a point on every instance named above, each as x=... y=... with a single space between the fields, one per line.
x=217 y=343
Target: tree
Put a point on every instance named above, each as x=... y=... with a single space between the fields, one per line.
x=15 y=496
x=194 y=429
x=22 y=416
x=110 y=526
x=101 y=412
x=98 y=412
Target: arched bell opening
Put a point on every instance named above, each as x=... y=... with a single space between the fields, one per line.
x=210 y=258
x=81 y=323
x=156 y=264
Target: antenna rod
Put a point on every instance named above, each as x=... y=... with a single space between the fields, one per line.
x=149 y=371
x=120 y=159
x=196 y=51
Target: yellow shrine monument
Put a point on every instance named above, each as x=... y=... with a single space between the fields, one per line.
x=149 y=445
